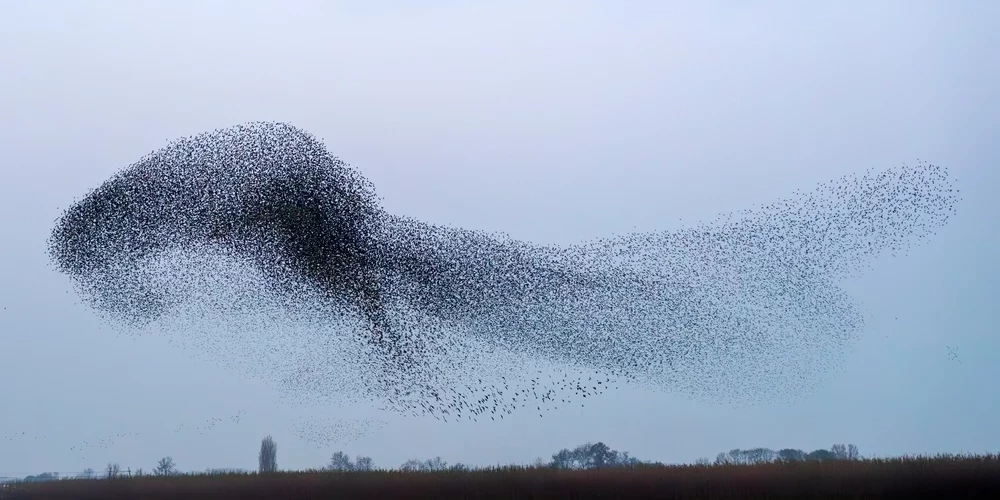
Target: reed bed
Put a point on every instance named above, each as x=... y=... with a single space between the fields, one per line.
x=944 y=476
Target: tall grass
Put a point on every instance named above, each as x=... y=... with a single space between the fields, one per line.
x=944 y=476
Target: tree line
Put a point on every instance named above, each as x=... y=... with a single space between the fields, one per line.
x=767 y=455
x=585 y=456
x=599 y=455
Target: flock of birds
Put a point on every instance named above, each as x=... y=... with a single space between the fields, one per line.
x=323 y=433
x=255 y=246
x=210 y=424
x=86 y=447
x=953 y=354
x=17 y=435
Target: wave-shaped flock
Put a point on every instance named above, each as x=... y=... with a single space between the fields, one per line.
x=258 y=246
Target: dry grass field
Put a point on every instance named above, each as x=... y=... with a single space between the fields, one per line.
x=946 y=477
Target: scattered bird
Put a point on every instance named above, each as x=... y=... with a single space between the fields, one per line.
x=326 y=432
x=953 y=354
x=257 y=247
x=111 y=440
x=15 y=436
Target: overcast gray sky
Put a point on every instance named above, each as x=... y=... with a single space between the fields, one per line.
x=553 y=121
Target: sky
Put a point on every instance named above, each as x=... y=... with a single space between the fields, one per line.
x=552 y=121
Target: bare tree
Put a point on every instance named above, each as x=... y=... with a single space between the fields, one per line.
x=627 y=460
x=789 y=455
x=736 y=456
x=563 y=459
x=412 y=465
x=839 y=451
x=429 y=465
x=268 y=457
x=165 y=467
x=821 y=456
x=364 y=463
x=852 y=452
x=340 y=461
x=434 y=464
x=760 y=455
x=113 y=470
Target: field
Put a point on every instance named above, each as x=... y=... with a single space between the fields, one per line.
x=908 y=477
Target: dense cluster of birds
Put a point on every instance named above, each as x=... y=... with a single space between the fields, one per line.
x=257 y=246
